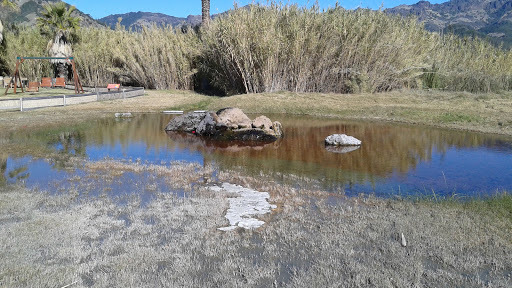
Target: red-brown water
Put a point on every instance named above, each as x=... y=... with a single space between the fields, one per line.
x=393 y=159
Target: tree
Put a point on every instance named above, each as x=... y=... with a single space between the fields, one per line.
x=57 y=22
x=9 y=4
x=205 y=11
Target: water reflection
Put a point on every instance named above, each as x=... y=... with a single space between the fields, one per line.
x=393 y=159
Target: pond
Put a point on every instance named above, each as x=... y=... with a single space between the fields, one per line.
x=394 y=159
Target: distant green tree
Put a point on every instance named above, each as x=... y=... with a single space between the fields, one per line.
x=57 y=22
x=9 y=4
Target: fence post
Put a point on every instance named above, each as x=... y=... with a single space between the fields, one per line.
x=97 y=95
x=21 y=104
x=124 y=94
x=64 y=99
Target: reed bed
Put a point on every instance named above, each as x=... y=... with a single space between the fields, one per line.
x=279 y=48
x=267 y=49
x=26 y=42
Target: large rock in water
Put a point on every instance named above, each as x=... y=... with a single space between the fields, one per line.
x=227 y=124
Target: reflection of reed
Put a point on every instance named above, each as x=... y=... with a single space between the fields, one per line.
x=146 y=128
x=386 y=148
x=3 y=168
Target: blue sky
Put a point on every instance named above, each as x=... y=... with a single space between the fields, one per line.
x=182 y=8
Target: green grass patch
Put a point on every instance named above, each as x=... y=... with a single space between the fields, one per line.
x=200 y=105
x=499 y=206
x=451 y=117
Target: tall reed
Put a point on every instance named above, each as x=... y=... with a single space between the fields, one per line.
x=27 y=42
x=279 y=48
x=265 y=49
x=156 y=58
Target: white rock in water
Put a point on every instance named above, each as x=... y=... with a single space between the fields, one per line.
x=342 y=140
x=123 y=115
x=249 y=203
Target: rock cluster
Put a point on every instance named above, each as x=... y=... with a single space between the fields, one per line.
x=227 y=124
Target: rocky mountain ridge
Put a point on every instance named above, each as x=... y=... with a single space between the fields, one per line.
x=136 y=20
x=491 y=19
x=29 y=10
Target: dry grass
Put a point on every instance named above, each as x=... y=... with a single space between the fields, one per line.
x=153 y=101
x=290 y=48
x=55 y=240
x=489 y=113
x=43 y=92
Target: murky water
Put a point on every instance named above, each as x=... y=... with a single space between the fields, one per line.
x=393 y=160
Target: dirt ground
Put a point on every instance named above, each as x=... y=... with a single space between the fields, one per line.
x=81 y=237
x=84 y=238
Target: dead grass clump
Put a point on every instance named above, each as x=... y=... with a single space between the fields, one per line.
x=178 y=174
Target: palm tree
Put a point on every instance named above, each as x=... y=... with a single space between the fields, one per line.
x=205 y=11
x=56 y=21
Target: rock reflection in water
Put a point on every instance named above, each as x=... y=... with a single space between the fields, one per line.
x=207 y=145
x=341 y=149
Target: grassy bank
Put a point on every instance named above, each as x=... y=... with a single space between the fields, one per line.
x=487 y=113
x=79 y=237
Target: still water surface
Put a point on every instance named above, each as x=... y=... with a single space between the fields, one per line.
x=393 y=159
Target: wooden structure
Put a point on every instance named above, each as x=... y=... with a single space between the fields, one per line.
x=7 y=82
x=46 y=82
x=33 y=87
x=60 y=82
x=113 y=86
x=70 y=60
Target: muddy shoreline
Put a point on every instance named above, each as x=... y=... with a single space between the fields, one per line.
x=84 y=237
x=77 y=236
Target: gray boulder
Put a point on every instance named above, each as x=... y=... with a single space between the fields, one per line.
x=342 y=140
x=123 y=115
x=227 y=124
x=262 y=122
x=233 y=118
x=186 y=122
x=208 y=126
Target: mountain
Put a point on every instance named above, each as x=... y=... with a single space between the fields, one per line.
x=491 y=19
x=136 y=20
x=31 y=9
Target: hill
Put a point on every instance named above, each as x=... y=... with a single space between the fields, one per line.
x=491 y=19
x=31 y=9
x=137 y=20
